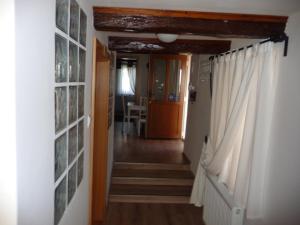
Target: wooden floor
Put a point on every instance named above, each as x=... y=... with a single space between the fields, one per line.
x=151 y=183
x=130 y=148
x=153 y=214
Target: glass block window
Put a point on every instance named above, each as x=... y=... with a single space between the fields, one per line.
x=69 y=100
x=74 y=19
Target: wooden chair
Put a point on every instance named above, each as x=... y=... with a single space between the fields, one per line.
x=144 y=101
x=142 y=115
x=126 y=118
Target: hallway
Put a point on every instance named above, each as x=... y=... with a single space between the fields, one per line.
x=131 y=148
x=151 y=183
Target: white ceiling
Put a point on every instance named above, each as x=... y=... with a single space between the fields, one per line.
x=272 y=7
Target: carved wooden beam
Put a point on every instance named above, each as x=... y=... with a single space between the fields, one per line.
x=188 y=22
x=152 y=46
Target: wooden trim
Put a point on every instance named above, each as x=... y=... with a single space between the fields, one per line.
x=150 y=199
x=191 y=14
x=167 y=80
x=151 y=166
x=100 y=56
x=92 y=132
x=152 y=181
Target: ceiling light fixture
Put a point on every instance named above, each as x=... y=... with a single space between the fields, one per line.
x=167 y=38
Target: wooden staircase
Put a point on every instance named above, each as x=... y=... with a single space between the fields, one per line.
x=151 y=183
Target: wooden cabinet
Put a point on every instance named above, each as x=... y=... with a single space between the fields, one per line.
x=166 y=95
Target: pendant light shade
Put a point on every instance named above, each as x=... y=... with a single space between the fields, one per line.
x=167 y=38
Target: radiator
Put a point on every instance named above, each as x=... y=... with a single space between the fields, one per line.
x=219 y=208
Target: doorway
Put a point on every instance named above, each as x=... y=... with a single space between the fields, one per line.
x=162 y=81
x=99 y=132
x=151 y=168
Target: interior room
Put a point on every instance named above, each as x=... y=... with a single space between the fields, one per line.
x=150 y=112
x=137 y=119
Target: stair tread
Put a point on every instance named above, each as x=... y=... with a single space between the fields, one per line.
x=152 y=181
x=154 y=173
x=149 y=199
x=151 y=166
x=168 y=190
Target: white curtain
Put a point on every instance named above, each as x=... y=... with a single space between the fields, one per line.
x=242 y=102
x=126 y=78
x=132 y=77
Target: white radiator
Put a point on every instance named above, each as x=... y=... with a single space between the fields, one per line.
x=219 y=208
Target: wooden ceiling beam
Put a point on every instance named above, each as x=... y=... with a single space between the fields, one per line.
x=154 y=46
x=190 y=14
x=188 y=22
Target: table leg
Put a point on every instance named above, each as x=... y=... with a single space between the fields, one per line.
x=128 y=120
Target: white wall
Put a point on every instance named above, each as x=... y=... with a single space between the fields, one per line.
x=283 y=180
x=237 y=43
x=198 y=112
x=35 y=29
x=8 y=174
x=35 y=23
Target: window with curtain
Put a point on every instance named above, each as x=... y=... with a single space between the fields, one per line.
x=126 y=79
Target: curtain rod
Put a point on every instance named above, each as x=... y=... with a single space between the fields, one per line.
x=278 y=38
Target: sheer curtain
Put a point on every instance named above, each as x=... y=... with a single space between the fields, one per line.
x=126 y=78
x=242 y=102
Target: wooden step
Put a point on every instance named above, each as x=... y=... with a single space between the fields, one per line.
x=149 y=199
x=151 y=166
x=152 y=181
x=182 y=174
x=167 y=190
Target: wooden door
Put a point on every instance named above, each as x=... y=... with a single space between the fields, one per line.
x=99 y=135
x=166 y=96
